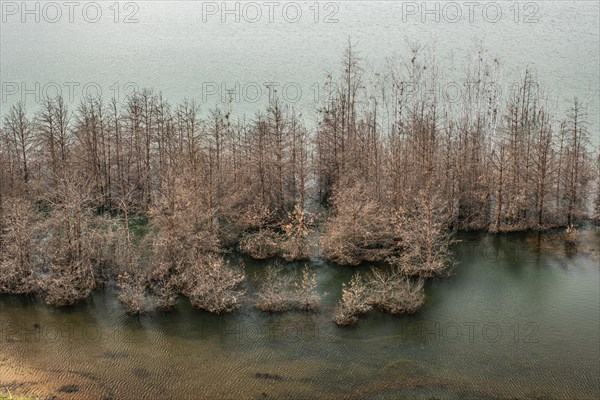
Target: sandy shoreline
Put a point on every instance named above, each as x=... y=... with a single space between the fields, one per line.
x=21 y=380
x=35 y=383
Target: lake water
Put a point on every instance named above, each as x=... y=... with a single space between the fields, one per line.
x=198 y=50
x=519 y=318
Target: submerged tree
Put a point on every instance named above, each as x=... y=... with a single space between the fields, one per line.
x=213 y=285
x=275 y=294
x=395 y=165
x=131 y=266
x=307 y=296
x=424 y=237
x=76 y=246
x=281 y=291
x=19 y=268
x=355 y=301
x=394 y=293
x=133 y=293
x=388 y=290
x=360 y=229
x=261 y=245
x=295 y=246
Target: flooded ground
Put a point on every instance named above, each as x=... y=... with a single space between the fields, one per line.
x=519 y=318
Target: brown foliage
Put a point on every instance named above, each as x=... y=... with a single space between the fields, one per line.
x=307 y=296
x=294 y=246
x=75 y=246
x=261 y=245
x=19 y=272
x=355 y=301
x=280 y=291
x=131 y=269
x=390 y=291
x=69 y=286
x=424 y=237
x=571 y=235
x=395 y=294
x=360 y=229
x=133 y=293
x=275 y=293
x=213 y=285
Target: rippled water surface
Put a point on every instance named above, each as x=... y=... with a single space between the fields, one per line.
x=519 y=318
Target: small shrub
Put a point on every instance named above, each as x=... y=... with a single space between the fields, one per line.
x=281 y=292
x=354 y=302
x=276 y=294
x=295 y=247
x=261 y=245
x=571 y=235
x=133 y=294
x=389 y=291
x=68 y=287
x=395 y=294
x=213 y=285
x=307 y=296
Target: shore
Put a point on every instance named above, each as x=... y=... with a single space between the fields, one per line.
x=25 y=382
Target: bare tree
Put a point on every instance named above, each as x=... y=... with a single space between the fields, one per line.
x=360 y=230
x=52 y=135
x=355 y=301
x=132 y=269
x=18 y=135
x=19 y=270
x=307 y=296
x=276 y=292
x=213 y=285
x=393 y=293
x=424 y=236
x=75 y=246
x=295 y=245
x=577 y=164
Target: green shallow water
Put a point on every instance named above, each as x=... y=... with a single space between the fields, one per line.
x=519 y=318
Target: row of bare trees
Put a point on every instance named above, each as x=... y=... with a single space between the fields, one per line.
x=153 y=195
x=202 y=185
x=400 y=163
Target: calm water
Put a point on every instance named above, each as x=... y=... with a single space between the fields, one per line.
x=185 y=50
x=520 y=318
